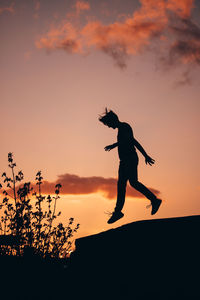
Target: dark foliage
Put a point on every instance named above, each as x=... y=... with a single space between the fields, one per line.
x=28 y=217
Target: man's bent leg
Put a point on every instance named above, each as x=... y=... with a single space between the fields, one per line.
x=143 y=189
x=155 y=202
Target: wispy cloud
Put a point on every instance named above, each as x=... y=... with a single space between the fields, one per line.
x=154 y=20
x=77 y=10
x=82 y=5
x=186 y=47
x=184 y=80
x=37 y=5
x=65 y=37
x=77 y=185
x=9 y=8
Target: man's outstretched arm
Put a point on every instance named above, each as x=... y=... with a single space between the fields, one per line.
x=148 y=159
x=110 y=147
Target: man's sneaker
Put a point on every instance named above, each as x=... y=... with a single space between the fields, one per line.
x=155 y=205
x=115 y=216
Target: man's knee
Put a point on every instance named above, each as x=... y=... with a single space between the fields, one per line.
x=134 y=183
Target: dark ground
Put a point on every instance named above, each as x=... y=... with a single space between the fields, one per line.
x=153 y=259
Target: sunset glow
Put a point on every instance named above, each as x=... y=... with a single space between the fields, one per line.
x=63 y=62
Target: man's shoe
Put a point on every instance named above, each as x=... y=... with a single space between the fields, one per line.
x=155 y=205
x=115 y=216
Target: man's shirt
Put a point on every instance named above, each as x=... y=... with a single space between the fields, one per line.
x=125 y=141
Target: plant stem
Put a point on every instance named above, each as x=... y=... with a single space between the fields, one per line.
x=14 y=188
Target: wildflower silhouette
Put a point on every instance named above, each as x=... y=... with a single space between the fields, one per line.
x=126 y=144
x=32 y=226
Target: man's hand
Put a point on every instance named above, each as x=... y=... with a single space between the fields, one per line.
x=109 y=147
x=149 y=160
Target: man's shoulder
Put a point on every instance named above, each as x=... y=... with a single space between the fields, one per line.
x=125 y=126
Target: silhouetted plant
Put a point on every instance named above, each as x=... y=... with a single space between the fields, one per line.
x=32 y=225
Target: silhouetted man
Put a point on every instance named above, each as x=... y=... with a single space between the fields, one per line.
x=126 y=144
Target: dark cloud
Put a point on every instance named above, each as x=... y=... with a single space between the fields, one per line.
x=186 y=47
x=186 y=29
x=68 y=45
x=185 y=79
x=185 y=52
x=118 y=54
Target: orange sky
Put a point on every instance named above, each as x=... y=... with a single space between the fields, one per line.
x=63 y=62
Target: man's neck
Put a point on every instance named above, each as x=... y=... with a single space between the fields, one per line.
x=118 y=125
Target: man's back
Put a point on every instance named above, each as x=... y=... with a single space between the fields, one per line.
x=125 y=140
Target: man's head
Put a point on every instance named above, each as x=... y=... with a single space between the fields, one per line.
x=109 y=119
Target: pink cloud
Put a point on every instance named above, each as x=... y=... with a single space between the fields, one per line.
x=121 y=40
x=65 y=37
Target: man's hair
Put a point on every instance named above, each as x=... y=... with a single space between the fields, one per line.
x=108 y=116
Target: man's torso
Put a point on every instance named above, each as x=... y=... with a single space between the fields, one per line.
x=125 y=141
